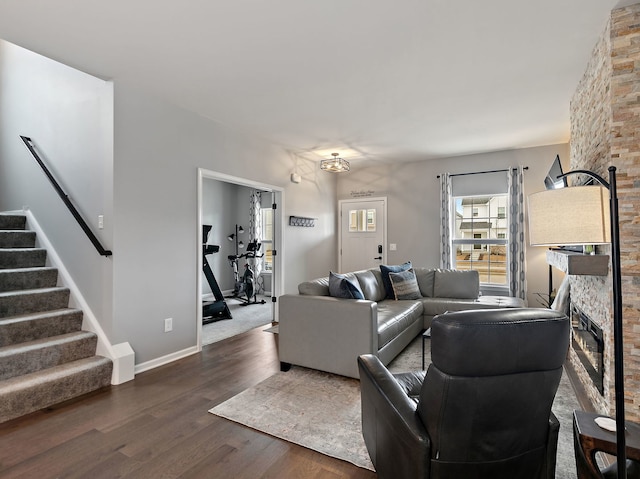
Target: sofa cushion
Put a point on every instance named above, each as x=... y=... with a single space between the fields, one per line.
x=341 y=286
x=435 y=306
x=371 y=284
x=425 y=278
x=394 y=317
x=315 y=287
x=405 y=285
x=385 y=270
x=450 y=283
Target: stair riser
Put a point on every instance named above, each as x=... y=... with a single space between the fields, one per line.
x=17 y=239
x=33 y=302
x=12 y=222
x=17 y=258
x=30 y=329
x=22 y=360
x=24 y=397
x=26 y=278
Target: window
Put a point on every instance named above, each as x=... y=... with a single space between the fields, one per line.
x=267 y=238
x=362 y=220
x=480 y=236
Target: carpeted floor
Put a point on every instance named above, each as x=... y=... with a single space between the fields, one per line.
x=321 y=411
x=243 y=319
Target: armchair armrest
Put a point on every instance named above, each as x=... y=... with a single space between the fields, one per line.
x=326 y=333
x=396 y=439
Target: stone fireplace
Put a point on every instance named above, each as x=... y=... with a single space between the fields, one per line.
x=605 y=121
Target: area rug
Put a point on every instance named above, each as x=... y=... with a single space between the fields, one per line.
x=321 y=411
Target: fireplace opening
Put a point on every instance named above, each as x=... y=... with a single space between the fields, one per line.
x=589 y=346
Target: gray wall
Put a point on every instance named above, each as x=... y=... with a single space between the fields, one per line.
x=158 y=149
x=69 y=116
x=134 y=159
x=413 y=202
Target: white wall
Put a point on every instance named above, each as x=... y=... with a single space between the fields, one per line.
x=413 y=196
x=69 y=116
x=158 y=149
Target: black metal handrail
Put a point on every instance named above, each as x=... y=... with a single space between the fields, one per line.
x=65 y=198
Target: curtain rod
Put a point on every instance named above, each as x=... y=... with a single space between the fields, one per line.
x=481 y=172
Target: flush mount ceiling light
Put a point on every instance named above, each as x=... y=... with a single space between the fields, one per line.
x=335 y=164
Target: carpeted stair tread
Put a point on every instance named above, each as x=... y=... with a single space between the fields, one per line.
x=25 y=358
x=32 y=326
x=25 y=394
x=27 y=278
x=17 y=239
x=12 y=222
x=22 y=257
x=45 y=357
x=33 y=300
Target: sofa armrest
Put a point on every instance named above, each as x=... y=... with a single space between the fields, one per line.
x=326 y=333
x=394 y=434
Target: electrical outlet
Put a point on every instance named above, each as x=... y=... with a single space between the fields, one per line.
x=168 y=325
x=100 y=222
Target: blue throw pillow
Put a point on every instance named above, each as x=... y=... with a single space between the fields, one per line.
x=342 y=287
x=385 y=270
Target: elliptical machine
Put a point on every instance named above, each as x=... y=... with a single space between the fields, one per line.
x=218 y=309
x=245 y=285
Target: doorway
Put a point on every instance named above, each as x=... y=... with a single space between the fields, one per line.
x=363 y=234
x=235 y=209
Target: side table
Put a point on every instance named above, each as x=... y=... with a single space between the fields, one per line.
x=591 y=438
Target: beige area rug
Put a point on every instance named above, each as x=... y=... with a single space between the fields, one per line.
x=321 y=411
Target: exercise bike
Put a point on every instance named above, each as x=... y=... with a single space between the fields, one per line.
x=245 y=289
x=218 y=309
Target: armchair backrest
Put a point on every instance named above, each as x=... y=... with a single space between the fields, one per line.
x=487 y=395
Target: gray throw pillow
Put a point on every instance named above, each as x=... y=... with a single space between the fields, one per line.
x=342 y=287
x=385 y=270
x=405 y=285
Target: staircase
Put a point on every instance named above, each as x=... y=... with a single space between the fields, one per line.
x=45 y=357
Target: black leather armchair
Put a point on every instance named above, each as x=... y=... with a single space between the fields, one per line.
x=483 y=408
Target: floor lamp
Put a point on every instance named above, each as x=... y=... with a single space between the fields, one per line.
x=579 y=215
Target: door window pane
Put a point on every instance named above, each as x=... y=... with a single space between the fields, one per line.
x=362 y=220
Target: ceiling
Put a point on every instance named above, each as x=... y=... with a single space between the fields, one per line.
x=376 y=80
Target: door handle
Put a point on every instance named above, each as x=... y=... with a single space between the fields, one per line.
x=378 y=257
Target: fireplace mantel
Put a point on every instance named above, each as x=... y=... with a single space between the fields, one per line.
x=578 y=263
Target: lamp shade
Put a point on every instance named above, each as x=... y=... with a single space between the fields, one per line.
x=578 y=215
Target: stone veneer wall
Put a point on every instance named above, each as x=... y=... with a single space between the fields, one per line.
x=605 y=130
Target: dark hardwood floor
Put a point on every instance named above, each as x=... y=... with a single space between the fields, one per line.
x=157 y=426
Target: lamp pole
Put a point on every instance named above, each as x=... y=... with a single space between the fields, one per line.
x=617 y=313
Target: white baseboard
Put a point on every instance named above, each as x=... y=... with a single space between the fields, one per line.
x=161 y=361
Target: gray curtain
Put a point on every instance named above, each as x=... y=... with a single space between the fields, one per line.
x=445 y=220
x=517 y=277
x=255 y=227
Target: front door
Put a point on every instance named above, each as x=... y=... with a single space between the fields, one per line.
x=362 y=234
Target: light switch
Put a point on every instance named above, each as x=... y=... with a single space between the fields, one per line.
x=393 y=246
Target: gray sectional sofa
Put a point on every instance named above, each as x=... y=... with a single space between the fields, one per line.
x=319 y=331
